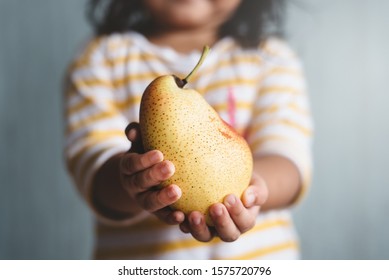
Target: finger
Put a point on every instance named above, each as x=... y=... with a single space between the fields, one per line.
x=169 y=216
x=133 y=126
x=198 y=228
x=133 y=134
x=256 y=194
x=150 y=177
x=132 y=162
x=184 y=226
x=155 y=200
x=243 y=219
x=224 y=225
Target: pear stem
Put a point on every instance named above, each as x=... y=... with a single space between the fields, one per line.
x=204 y=54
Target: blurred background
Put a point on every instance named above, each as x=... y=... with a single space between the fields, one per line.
x=344 y=45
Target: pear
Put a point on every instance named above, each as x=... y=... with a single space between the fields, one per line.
x=211 y=159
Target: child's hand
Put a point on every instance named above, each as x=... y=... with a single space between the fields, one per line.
x=232 y=217
x=140 y=172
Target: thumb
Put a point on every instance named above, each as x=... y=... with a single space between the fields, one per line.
x=256 y=194
x=133 y=134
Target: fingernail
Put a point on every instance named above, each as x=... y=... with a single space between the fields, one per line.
x=130 y=129
x=155 y=157
x=230 y=200
x=165 y=169
x=217 y=211
x=174 y=192
x=196 y=221
x=131 y=134
x=171 y=193
x=250 y=198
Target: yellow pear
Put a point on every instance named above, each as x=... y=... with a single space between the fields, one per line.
x=211 y=159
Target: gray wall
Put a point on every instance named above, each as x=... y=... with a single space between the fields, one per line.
x=41 y=215
x=344 y=46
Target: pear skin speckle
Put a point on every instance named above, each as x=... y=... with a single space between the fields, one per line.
x=210 y=158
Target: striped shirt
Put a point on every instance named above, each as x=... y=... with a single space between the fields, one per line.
x=260 y=92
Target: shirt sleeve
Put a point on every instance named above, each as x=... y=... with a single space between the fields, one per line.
x=94 y=125
x=282 y=123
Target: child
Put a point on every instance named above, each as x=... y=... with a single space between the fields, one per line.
x=255 y=83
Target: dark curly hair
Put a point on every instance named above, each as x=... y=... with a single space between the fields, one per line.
x=253 y=21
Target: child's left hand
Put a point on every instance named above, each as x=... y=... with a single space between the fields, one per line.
x=232 y=217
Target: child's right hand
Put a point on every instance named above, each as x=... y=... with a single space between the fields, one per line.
x=141 y=172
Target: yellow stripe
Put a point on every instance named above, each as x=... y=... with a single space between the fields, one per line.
x=239 y=105
x=285 y=70
x=91 y=119
x=227 y=65
x=85 y=58
x=160 y=248
x=259 y=142
x=278 y=89
x=267 y=110
x=90 y=162
x=114 y=45
x=115 y=105
x=150 y=223
x=306 y=131
x=148 y=77
x=123 y=60
x=277 y=107
x=82 y=84
x=255 y=254
x=94 y=137
x=128 y=102
x=285 y=122
x=229 y=82
x=298 y=109
x=283 y=52
x=149 y=57
x=85 y=61
x=99 y=135
x=85 y=102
